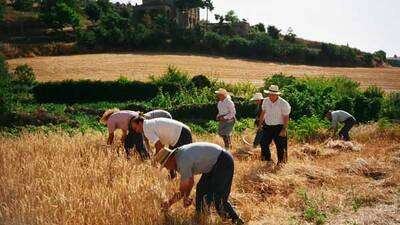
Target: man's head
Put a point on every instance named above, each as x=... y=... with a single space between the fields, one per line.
x=222 y=94
x=166 y=158
x=257 y=98
x=273 y=92
x=328 y=115
x=136 y=124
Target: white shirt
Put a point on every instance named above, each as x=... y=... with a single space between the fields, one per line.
x=274 y=112
x=339 y=116
x=226 y=108
x=167 y=131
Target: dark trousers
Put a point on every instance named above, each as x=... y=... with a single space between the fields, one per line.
x=135 y=140
x=215 y=187
x=184 y=138
x=257 y=138
x=344 y=132
x=271 y=133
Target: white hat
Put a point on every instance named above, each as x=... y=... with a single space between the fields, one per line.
x=273 y=89
x=223 y=92
x=257 y=96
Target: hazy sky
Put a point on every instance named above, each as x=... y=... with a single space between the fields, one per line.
x=369 y=25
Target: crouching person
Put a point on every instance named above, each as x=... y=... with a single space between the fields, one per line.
x=217 y=168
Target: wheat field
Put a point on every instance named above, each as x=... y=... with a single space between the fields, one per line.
x=139 y=66
x=56 y=178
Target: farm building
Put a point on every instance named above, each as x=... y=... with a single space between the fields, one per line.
x=185 y=18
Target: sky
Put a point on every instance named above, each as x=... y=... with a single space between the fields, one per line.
x=369 y=25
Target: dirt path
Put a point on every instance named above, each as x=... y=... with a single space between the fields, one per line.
x=140 y=66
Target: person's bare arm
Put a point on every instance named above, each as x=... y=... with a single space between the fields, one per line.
x=285 y=126
x=124 y=134
x=184 y=192
x=158 y=146
x=110 y=138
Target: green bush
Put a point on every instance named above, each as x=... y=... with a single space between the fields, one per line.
x=5 y=89
x=238 y=46
x=23 y=74
x=60 y=16
x=173 y=76
x=214 y=42
x=391 y=106
x=93 y=11
x=308 y=129
x=23 y=5
x=93 y=91
x=201 y=81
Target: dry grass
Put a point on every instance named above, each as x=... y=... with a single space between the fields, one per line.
x=140 y=66
x=59 y=179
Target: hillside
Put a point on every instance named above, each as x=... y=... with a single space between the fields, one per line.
x=140 y=65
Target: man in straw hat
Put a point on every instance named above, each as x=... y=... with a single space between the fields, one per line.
x=217 y=168
x=226 y=116
x=258 y=98
x=275 y=116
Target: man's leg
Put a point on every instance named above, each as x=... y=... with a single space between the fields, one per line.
x=140 y=147
x=265 y=143
x=257 y=138
x=128 y=144
x=220 y=183
x=202 y=204
x=348 y=124
x=280 y=144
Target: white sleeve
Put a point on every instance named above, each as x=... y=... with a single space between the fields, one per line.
x=286 y=109
x=151 y=136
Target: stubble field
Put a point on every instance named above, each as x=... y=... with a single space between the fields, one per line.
x=140 y=66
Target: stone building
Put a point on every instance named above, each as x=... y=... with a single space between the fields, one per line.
x=184 y=18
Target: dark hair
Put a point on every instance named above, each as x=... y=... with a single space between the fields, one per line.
x=137 y=119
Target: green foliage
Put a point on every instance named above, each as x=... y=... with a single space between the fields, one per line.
x=201 y=81
x=238 y=46
x=308 y=129
x=290 y=36
x=357 y=204
x=5 y=90
x=279 y=79
x=60 y=16
x=173 y=76
x=260 y=27
x=87 y=39
x=188 y=4
x=381 y=55
x=273 y=32
x=214 y=42
x=23 y=5
x=2 y=10
x=391 y=106
x=23 y=74
x=311 y=212
x=93 y=11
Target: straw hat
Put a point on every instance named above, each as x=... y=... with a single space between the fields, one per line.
x=163 y=155
x=257 y=96
x=273 y=89
x=107 y=114
x=223 y=92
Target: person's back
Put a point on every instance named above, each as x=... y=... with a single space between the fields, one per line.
x=340 y=115
x=162 y=129
x=120 y=120
x=197 y=158
x=158 y=113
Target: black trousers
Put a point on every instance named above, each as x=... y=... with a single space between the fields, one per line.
x=215 y=187
x=135 y=140
x=271 y=133
x=184 y=138
x=344 y=132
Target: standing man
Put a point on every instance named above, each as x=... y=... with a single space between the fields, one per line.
x=258 y=98
x=275 y=115
x=226 y=116
x=217 y=168
x=341 y=116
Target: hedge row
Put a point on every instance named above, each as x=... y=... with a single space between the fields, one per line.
x=96 y=91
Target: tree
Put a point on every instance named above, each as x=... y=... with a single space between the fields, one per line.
x=190 y=4
x=93 y=11
x=23 y=5
x=231 y=17
x=259 y=28
x=2 y=9
x=60 y=16
x=273 y=32
x=381 y=55
x=290 y=36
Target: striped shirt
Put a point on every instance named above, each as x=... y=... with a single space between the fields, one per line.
x=226 y=108
x=274 y=112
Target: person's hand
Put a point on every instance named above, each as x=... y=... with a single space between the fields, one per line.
x=283 y=132
x=165 y=205
x=187 y=202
